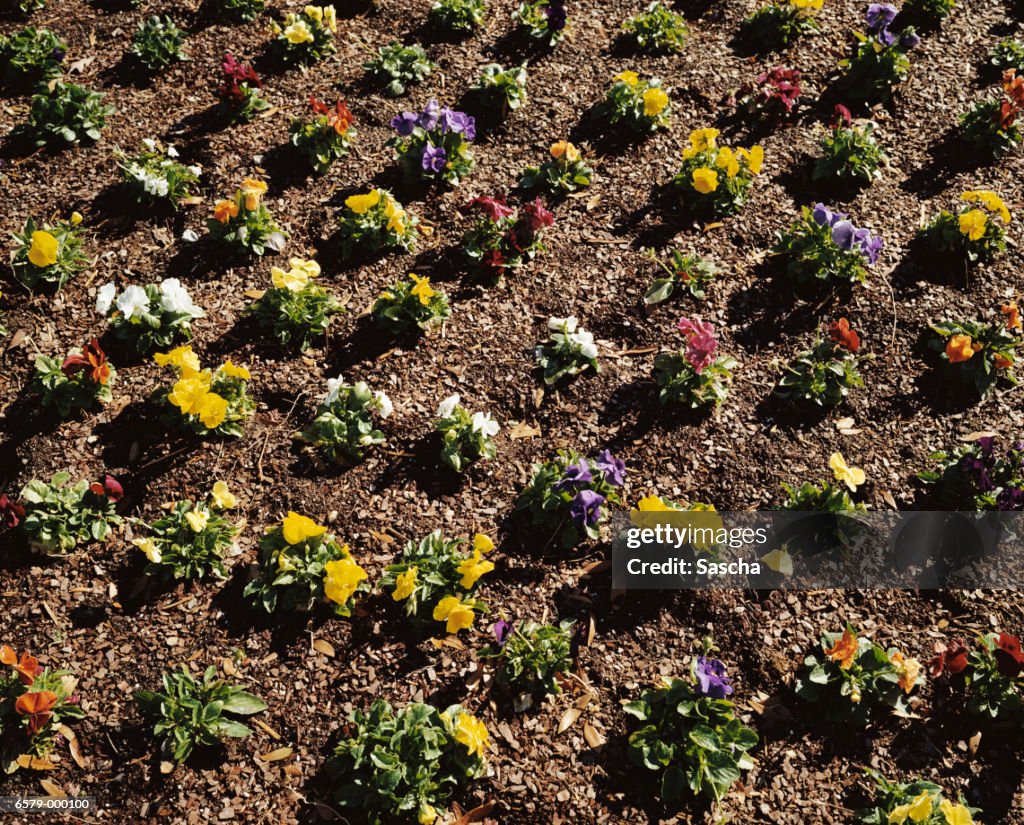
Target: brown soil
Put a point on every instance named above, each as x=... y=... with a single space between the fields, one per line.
x=94 y=612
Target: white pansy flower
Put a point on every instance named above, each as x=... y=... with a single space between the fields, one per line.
x=334 y=386
x=133 y=301
x=195 y=170
x=384 y=405
x=557 y=324
x=446 y=407
x=174 y=297
x=585 y=341
x=171 y=151
x=149 y=143
x=105 y=298
x=483 y=423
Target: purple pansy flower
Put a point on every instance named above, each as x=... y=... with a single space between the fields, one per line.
x=880 y=15
x=711 y=679
x=575 y=475
x=585 y=508
x=434 y=158
x=458 y=122
x=1010 y=498
x=556 y=15
x=404 y=123
x=428 y=117
x=823 y=216
x=502 y=631
x=870 y=245
x=909 y=40
x=614 y=469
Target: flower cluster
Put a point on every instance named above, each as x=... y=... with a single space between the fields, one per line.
x=149 y=317
x=435 y=579
x=714 y=180
x=569 y=350
x=154 y=175
x=544 y=20
x=37 y=702
x=682 y=271
x=48 y=254
x=411 y=304
x=916 y=802
x=657 y=29
x=82 y=380
x=530 y=658
x=849 y=150
x=569 y=495
x=239 y=90
x=504 y=238
x=344 y=423
x=433 y=144
x=824 y=245
x=826 y=497
x=326 y=136
x=694 y=376
x=398 y=67
x=565 y=171
x=780 y=23
x=374 y=221
x=245 y=223
x=825 y=374
x=308 y=36
x=854 y=678
x=991 y=125
x=295 y=308
x=976 y=353
x=774 y=93
x=642 y=105
x=206 y=402
x=880 y=60
x=991 y=673
x=974 y=476
x=302 y=565
x=57 y=516
x=465 y=437
x=191 y=541
x=975 y=233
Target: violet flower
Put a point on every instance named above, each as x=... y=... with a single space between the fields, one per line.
x=614 y=469
x=575 y=475
x=711 y=679
x=701 y=346
x=458 y=122
x=823 y=216
x=880 y=15
x=428 y=117
x=405 y=123
x=434 y=159
x=502 y=631
x=1010 y=498
x=585 y=508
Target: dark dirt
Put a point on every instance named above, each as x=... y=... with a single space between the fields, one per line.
x=94 y=612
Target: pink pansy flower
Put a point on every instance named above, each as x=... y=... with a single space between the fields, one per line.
x=701 y=347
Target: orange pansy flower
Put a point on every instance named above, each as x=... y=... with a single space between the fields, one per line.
x=844 y=650
x=38 y=707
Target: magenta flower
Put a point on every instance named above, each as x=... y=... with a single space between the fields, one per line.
x=701 y=346
x=494 y=208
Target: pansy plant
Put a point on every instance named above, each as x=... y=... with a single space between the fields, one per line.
x=239 y=91
x=976 y=476
x=302 y=565
x=991 y=124
x=569 y=350
x=244 y=223
x=823 y=245
x=374 y=221
x=504 y=238
x=324 y=137
x=917 y=801
x=1006 y=54
x=772 y=94
x=530 y=658
x=977 y=232
x=64 y=114
x=990 y=673
x=149 y=317
x=778 y=24
x=58 y=516
x=35 y=705
x=208 y=402
x=681 y=271
x=80 y=381
x=158 y=43
x=465 y=437
x=977 y=354
x=31 y=56
x=411 y=305
x=879 y=61
x=434 y=144
x=307 y=36
x=346 y=421
x=565 y=171
x=459 y=16
x=499 y=90
x=398 y=764
x=192 y=539
x=570 y=495
x=435 y=579
x=48 y=253
x=694 y=376
x=543 y=20
x=690 y=734
x=642 y=105
x=828 y=496
x=242 y=11
x=854 y=678
x=713 y=181
x=657 y=29
x=295 y=308
x=849 y=150
x=825 y=373
x=153 y=175
x=397 y=67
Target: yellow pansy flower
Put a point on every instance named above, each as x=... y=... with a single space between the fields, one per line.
x=918 y=810
x=311 y=269
x=292 y=280
x=223 y=498
x=331 y=18
x=181 y=357
x=755 y=158
x=395 y=215
x=973 y=223
x=421 y=289
x=482 y=543
x=807 y=4
x=213 y=409
x=405 y=584
x=955 y=814
x=253 y=190
x=427 y=814
x=233 y=371
x=298 y=32
x=628 y=77
x=297 y=529
x=314 y=13
x=148 y=547
x=780 y=561
x=457 y=614
x=197 y=520
x=655 y=101
x=565 y=149
x=472 y=733
x=703 y=139
x=225 y=210
x=990 y=200
x=188 y=393
x=651 y=504
x=472 y=569
x=726 y=160
x=705 y=180
x=43 y=251
x=361 y=204
x=852 y=477
x=342 y=578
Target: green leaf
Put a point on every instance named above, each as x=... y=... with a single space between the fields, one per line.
x=244 y=703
